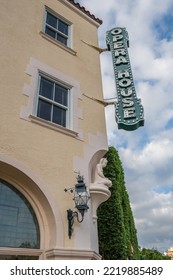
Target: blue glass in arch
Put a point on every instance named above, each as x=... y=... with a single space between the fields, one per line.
x=18 y=223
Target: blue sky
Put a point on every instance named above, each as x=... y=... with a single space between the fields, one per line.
x=146 y=153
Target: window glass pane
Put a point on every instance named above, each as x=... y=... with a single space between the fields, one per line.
x=63 y=27
x=62 y=39
x=51 y=20
x=18 y=223
x=61 y=95
x=59 y=116
x=46 y=88
x=44 y=110
x=50 y=32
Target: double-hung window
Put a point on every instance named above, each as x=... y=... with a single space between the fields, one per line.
x=53 y=101
x=57 y=28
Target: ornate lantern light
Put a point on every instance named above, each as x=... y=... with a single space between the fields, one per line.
x=81 y=197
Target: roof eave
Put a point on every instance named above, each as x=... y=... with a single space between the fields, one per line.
x=83 y=12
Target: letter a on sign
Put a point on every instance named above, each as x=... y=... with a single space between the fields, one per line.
x=129 y=112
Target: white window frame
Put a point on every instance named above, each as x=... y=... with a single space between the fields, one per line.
x=28 y=111
x=59 y=18
x=54 y=103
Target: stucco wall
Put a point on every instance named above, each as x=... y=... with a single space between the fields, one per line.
x=53 y=156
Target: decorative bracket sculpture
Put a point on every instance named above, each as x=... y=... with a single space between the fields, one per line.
x=99 y=189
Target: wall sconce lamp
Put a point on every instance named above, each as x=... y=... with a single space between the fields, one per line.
x=81 y=197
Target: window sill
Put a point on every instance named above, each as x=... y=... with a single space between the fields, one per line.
x=20 y=251
x=64 y=47
x=53 y=126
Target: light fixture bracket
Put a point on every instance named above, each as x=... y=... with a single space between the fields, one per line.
x=81 y=197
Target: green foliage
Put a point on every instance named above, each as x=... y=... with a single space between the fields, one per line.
x=152 y=254
x=116 y=228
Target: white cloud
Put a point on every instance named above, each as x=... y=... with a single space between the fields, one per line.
x=154 y=218
x=156 y=154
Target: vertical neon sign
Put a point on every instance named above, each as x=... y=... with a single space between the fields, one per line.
x=129 y=112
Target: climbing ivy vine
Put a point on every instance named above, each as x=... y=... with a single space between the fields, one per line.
x=116 y=227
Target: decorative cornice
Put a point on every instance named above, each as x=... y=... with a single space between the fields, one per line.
x=71 y=254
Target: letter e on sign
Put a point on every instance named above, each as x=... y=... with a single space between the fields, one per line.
x=129 y=113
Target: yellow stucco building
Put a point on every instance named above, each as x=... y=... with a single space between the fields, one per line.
x=50 y=131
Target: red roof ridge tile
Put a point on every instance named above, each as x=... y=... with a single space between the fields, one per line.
x=83 y=9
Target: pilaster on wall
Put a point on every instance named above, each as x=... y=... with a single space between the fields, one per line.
x=94 y=150
x=86 y=235
x=99 y=194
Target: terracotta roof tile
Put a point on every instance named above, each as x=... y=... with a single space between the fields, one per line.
x=77 y=5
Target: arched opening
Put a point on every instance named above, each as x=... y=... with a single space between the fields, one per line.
x=42 y=212
x=18 y=223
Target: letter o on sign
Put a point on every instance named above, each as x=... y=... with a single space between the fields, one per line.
x=125 y=82
x=116 y=31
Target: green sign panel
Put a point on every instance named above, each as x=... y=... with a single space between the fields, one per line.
x=129 y=112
